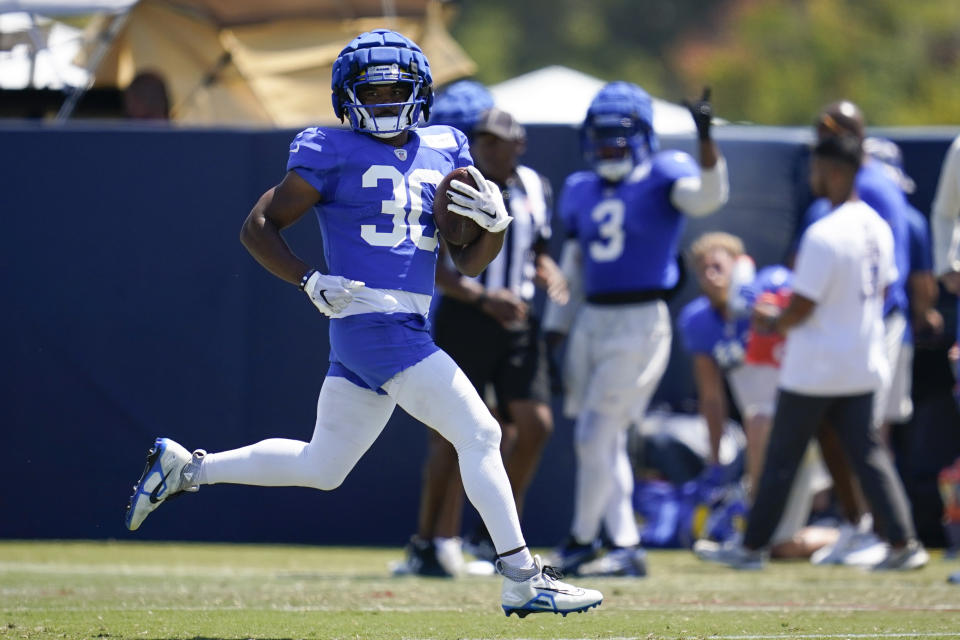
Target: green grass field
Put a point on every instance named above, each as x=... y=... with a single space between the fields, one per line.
x=159 y=591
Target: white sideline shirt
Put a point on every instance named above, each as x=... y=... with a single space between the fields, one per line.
x=945 y=214
x=844 y=263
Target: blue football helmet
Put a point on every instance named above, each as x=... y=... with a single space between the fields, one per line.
x=888 y=153
x=617 y=133
x=460 y=105
x=377 y=57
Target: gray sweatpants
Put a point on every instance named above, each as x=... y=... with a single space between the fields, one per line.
x=798 y=418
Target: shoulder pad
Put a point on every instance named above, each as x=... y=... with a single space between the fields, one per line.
x=672 y=164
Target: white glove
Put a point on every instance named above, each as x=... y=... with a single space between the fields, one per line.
x=330 y=294
x=485 y=207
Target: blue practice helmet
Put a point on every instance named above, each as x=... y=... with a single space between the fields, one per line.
x=461 y=104
x=889 y=154
x=619 y=117
x=381 y=56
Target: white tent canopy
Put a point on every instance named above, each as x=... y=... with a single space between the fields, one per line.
x=560 y=95
x=66 y=7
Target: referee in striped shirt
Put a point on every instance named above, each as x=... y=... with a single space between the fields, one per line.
x=487 y=326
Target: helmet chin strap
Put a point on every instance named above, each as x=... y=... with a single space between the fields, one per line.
x=614 y=170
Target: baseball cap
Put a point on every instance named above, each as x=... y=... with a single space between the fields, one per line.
x=839 y=118
x=845 y=148
x=501 y=124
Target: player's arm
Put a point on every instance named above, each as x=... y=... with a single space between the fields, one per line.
x=473 y=258
x=702 y=195
x=558 y=317
x=711 y=399
x=767 y=318
x=501 y=304
x=550 y=278
x=276 y=210
x=923 y=299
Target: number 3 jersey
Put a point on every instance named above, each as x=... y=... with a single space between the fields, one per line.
x=376 y=206
x=376 y=216
x=629 y=231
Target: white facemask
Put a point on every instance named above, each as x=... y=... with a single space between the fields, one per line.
x=614 y=170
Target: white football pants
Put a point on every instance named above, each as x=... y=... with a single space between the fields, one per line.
x=616 y=358
x=350 y=418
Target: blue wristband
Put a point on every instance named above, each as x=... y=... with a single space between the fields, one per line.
x=306 y=276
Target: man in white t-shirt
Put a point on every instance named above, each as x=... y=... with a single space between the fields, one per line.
x=834 y=360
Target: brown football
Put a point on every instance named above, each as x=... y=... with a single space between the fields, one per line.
x=455 y=229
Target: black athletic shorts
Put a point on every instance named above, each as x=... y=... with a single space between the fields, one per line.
x=514 y=362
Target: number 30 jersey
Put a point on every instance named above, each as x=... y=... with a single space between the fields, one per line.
x=629 y=231
x=376 y=204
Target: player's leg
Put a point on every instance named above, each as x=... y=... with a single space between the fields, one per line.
x=349 y=419
x=794 y=424
x=534 y=423
x=625 y=557
x=845 y=485
x=899 y=404
x=434 y=550
x=441 y=497
x=754 y=388
x=632 y=347
x=872 y=463
x=436 y=392
x=890 y=392
x=522 y=384
x=470 y=337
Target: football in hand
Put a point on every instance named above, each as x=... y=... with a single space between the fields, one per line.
x=457 y=230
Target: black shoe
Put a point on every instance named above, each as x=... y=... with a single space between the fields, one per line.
x=480 y=545
x=422 y=559
x=571 y=554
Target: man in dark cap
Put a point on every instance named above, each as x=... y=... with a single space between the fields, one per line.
x=832 y=363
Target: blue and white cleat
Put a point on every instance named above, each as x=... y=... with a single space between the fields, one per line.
x=170 y=470
x=544 y=593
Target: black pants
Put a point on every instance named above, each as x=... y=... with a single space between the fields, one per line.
x=797 y=420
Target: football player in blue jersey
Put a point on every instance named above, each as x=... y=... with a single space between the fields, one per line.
x=921 y=316
x=371 y=188
x=625 y=217
x=715 y=329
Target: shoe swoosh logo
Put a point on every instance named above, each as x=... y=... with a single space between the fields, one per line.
x=572 y=592
x=156 y=490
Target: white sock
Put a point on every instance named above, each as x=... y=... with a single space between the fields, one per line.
x=522 y=559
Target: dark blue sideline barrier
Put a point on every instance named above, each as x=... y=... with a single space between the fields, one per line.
x=131 y=311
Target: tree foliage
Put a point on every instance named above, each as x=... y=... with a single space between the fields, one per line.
x=768 y=61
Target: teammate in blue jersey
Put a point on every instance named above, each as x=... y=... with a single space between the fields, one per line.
x=715 y=329
x=920 y=315
x=372 y=188
x=625 y=217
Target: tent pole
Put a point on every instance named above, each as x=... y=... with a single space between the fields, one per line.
x=104 y=39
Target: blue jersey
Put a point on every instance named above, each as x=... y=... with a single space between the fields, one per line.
x=704 y=330
x=376 y=216
x=629 y=231
x=879 y=191
x=376 y=206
